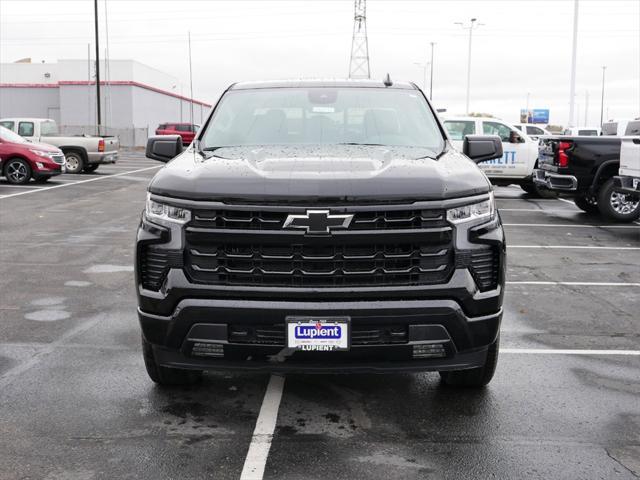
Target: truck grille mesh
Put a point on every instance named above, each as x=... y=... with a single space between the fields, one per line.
x=369 y=220
x=303 y=265
x=484 y=265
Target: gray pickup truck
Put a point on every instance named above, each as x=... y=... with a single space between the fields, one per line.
x=84 y=153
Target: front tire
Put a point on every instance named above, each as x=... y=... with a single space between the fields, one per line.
x=167 y=376
x=617 y=206
x=474 y=377
x=17 y=171
x=75 y=162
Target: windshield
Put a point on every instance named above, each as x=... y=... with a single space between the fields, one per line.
x=304 y=116
x=7 y=135
x=48 y=129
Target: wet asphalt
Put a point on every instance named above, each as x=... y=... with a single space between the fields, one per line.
x=76 y=403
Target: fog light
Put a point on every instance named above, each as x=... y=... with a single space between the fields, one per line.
x=40 y=165
x=434 y=350
x=207 y=350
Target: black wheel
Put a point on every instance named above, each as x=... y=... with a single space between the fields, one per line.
x=17 y=171
x=530 y=188
x=74 y=163
x=41 y=179
x=474 y=377
x=588 y=203
x=164 y=375
x=618 y=206
x=91 y=168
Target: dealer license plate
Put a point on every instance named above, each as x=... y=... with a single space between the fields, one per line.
x=318 y=334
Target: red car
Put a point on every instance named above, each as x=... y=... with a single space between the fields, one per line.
x=21 y=160
x=186 y=130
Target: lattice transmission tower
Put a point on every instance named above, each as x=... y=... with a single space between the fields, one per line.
x=359 y=63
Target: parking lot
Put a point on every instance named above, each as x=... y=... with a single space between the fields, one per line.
x=77 y=402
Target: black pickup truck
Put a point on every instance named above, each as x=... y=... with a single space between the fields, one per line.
x=583 y=168
x=321 y=226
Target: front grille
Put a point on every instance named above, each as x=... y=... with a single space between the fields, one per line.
x=59 y=159
x=274 y=335
x=303 y=265
x=271 y=220
x=382 y=246
x=154 y=263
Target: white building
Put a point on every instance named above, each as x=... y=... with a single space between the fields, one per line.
x=135 y=99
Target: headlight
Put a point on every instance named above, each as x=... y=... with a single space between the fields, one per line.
x=475 y=211
x=42 y=153
x=168 y=213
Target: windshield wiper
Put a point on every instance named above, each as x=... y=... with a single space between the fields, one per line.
x=363 y=144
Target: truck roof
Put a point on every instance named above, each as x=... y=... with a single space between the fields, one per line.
x=327 y=83
x=26 y=119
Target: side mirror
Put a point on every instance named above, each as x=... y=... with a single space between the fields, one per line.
x=481 y=148
x=164 y=147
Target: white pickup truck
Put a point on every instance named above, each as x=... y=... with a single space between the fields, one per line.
x=628 y=180
x=84 y=153
x=520 y=151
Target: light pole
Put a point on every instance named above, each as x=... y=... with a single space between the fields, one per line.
x=572 y=87
x=471 y=27
x=602 y=98
x=431 y=81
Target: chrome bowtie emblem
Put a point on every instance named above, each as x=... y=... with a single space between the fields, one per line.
x=318 y=221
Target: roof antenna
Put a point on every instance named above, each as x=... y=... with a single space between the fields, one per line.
x=387 y=81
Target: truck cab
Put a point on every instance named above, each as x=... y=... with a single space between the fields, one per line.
x=520 y=151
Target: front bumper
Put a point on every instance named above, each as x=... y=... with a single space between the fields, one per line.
x=555 y=181
x=626 y=184
x=464 y=339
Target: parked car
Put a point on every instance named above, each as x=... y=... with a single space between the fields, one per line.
x=582 y=131
x=628 y=180
x=84 y=153
x=21 y=160
x=584 y=168
x=187 y=131
x=321 y=226
x=535 y=131
x=520 y=151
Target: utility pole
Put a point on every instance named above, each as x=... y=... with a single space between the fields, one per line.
x=431 y=81
x=471 y=27
x=602 y=98
x=98 y=113
x=572 y=87
x=190 y=81
x=359 y=62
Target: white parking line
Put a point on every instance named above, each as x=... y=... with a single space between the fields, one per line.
x=566 y=201
x=579 y=284
x=543 y=210
x=572 y=247
x=566 y=225
x=260 y=445
x=79 y=181
x=554 y=351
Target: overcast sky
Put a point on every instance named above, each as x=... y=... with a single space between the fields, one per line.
x=523 y=46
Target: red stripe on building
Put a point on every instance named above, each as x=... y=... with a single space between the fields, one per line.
x=127 y=83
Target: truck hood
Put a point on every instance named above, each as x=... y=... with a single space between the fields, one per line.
x=319 y=173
